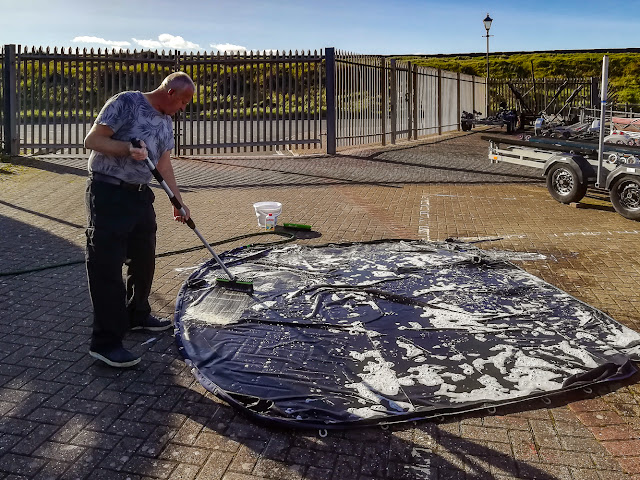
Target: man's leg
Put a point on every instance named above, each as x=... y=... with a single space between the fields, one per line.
x=141 y=263
x=105 y=255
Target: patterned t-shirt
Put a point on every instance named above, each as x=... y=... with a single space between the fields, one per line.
x=130 y=115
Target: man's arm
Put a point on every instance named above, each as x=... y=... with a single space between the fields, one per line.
x=100 y=139
x=166 y=170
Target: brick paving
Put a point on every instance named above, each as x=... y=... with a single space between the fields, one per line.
x=65 y=416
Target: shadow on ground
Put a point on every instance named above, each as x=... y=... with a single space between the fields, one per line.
x=66 y=416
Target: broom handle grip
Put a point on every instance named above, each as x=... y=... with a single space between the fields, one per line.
x=154 y=171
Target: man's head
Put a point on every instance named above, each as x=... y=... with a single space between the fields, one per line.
x=176 y=92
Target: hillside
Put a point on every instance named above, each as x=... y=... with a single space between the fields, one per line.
x=624 y=68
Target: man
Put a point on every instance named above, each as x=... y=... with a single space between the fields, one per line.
x=122 y=225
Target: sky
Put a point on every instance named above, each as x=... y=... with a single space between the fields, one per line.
x=384 y=27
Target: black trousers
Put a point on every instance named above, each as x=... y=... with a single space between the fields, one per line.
x=121 y=231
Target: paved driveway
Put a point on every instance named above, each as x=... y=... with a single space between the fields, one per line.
x=65 y=416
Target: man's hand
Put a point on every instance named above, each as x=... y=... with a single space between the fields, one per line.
x=178 y=217
x=166 y=170
x=140 y=153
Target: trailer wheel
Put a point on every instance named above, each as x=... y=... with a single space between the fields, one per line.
x=564 y=184
x=625 y=196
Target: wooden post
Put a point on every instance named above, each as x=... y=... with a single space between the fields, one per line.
x=11 y=141
x=330 y=88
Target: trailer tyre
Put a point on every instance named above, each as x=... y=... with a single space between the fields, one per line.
x=564 y=184
x=625 y=196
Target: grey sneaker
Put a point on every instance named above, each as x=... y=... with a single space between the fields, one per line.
x=118 y=357
x=154 y=324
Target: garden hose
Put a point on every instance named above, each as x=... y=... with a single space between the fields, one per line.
x=289 y=237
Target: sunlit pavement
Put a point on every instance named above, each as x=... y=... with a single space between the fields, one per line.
x=66 y=416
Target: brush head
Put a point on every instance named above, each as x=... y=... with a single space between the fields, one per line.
x=297 y=226
x=236 y=284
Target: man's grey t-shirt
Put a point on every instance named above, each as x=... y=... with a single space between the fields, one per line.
x=130 y=115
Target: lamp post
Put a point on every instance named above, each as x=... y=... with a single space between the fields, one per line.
x=487 y=25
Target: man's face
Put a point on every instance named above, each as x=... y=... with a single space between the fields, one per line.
x=177 y=100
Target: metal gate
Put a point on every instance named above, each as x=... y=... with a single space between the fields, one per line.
x=382 y=100
x=548 y=95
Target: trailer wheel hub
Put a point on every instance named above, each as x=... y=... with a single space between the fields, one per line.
x=630 y=195
x=563 y=181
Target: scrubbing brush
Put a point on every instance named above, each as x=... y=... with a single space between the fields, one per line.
x=230 y=282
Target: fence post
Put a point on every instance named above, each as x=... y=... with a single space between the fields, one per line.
x=384 y=105
x=439 y=102
x=178 y=118
x=409 y=101
x=595 y=92
x=330 y=89
x=414 y=97
x=459 y=112
x=473 y=94
x=394 y=101
x=10 y=101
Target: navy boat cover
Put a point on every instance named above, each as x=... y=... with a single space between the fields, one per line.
x=388 y=331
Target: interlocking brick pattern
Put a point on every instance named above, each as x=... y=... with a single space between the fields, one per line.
x=65 y=416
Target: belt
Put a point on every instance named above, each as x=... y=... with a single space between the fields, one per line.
x=101 y=177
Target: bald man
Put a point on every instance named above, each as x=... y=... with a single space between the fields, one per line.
x=121 y=219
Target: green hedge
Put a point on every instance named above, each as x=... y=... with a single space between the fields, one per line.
x=624 y=68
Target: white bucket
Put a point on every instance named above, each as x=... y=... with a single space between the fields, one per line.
x=265 y=208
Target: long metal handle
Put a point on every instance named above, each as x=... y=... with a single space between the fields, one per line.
x=176 y=203
x=603 y=107
x=213 y=253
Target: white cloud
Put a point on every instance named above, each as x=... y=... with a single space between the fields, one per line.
x=167 y=40
x=100 y=41
x=228 y=47
x=150 y=44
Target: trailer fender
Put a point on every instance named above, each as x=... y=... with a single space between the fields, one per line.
x=583 y=168
x=633 y=169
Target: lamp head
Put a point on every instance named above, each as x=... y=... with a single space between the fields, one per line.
x=487 y=22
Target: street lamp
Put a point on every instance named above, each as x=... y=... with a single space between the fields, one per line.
x=487 y=25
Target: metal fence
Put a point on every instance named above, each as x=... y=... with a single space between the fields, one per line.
x=242 y=102
x=59 y=93
x=255 y=102
x=252 y=101
x=548 y=95
x=381 y=100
